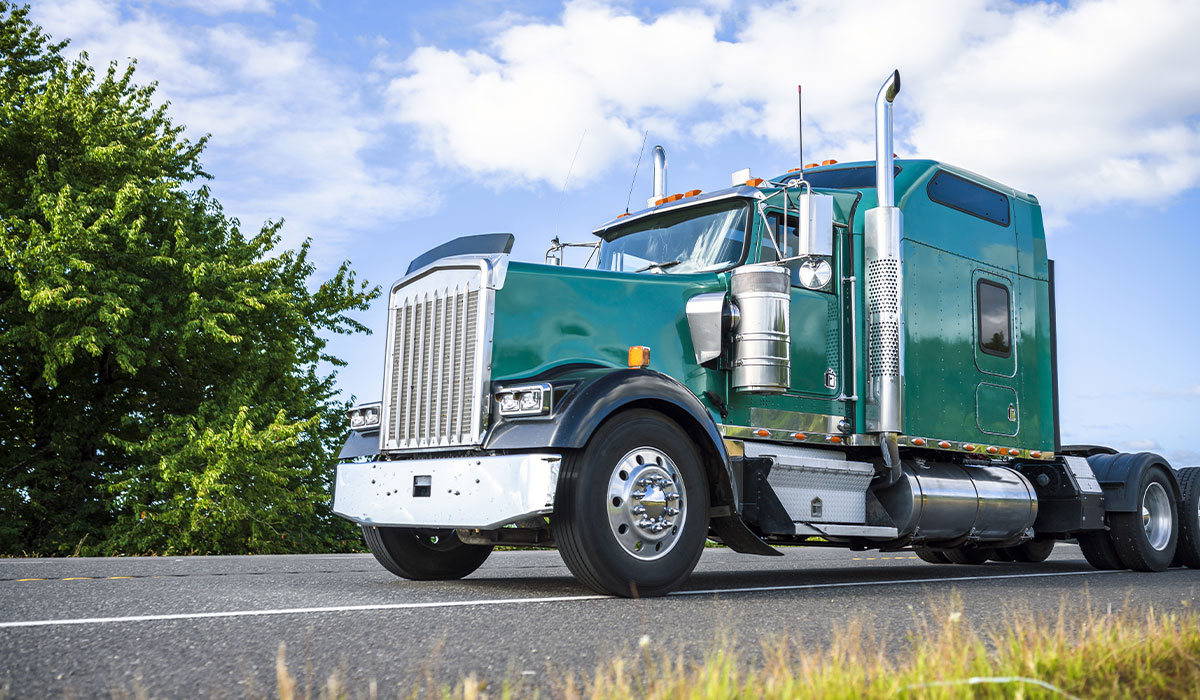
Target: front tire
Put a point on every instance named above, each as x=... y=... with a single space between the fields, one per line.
x=1146 y=539
x=631 y=509
x=424 y=555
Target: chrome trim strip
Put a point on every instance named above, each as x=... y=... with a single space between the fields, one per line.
x=967 y=447
x=778 y=419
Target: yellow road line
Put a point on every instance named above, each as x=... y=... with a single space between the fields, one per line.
x=77 y=578
x=31 y=579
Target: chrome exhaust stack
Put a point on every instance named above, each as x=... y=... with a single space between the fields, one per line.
x=660 y=176
x=885 y=284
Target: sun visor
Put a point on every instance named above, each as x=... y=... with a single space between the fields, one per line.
x=479 y=244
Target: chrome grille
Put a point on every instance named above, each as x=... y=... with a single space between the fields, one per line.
x=435 y=377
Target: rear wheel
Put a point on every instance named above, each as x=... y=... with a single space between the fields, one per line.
x=631 y=509
x=1098 y=549
x=970 y=555
x=424 y=555
x=1033 y=551
x=933 y=556
x=1188 y=553
x=1146 y=539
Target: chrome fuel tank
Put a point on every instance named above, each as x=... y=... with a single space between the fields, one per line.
x=936 y=501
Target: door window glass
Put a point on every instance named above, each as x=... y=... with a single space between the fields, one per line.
x=995 y=319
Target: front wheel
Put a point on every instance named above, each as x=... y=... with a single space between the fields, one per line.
x=424 y=555
x=631 y=509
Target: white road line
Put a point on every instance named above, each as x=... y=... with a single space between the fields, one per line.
x=518 y=601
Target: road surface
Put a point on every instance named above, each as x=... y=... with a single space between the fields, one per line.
x=212 y=626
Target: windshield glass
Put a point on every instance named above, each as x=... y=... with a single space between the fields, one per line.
x=695 y=239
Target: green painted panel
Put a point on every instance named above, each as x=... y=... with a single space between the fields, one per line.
x=996 y=409
x=815 y=327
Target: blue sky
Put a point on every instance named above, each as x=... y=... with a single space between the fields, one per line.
x=379 y=129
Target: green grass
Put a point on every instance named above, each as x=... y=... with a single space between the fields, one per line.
x=1132 y=653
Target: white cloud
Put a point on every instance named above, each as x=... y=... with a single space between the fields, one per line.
x=222 y=7
x=291 y=135
x=1086 y=104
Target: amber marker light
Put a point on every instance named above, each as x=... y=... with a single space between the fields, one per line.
x=762 y=433
x=944 y=445
x=829 y=162
x=674 y=198
x=794 y=170
x=754 y=181
x=835 y=438
x=1035 y=455
x=811 y=165
x=919 y=442
x=799 y=436
x=660 y=201
x=639 y=356
x=969 y=447
x=1015 y=453
x=691 y=193
x=992 y=450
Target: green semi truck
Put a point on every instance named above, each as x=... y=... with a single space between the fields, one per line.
x=853 y=355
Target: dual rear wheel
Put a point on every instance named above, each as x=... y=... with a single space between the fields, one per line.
x=1144 y=540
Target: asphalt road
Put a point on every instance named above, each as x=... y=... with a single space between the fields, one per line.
x=212 y=626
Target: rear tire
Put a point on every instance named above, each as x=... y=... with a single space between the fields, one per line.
x=1098 y=549
x=631 y=509
x=933 y=556
x=1146 y=540
x=1032 y=552
x=424 y=555
x=970 y=555
x=1188 y=552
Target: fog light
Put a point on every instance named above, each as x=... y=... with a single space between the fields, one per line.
x=524 y=400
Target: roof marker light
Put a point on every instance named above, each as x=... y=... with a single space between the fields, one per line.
x=829 y=162
x=691 y=193
x=811 y=165
x=795 y=170
x=754 y=182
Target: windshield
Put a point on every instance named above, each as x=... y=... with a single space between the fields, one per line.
x=694 y=239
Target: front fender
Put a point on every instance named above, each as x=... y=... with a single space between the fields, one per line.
x=598 y=393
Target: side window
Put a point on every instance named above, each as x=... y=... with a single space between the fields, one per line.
x=775 y=220
x=968 y=197
x=995 y=318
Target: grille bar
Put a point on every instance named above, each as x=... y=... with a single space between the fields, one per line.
x=436 y=382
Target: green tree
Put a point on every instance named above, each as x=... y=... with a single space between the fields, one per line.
x=160 y=388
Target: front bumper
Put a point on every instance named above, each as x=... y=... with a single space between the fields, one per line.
x=453 y=492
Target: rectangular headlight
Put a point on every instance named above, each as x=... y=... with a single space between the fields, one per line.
x=531 y=400
x=365 y=416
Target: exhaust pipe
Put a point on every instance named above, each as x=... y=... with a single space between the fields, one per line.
x=660 y=174
x=885 y=175
x=885 y=286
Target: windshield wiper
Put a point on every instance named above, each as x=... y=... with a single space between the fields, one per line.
x=659 y=266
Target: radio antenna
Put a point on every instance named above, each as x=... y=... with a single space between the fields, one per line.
x=562 y=195
x=641 y=150
x=800 y=126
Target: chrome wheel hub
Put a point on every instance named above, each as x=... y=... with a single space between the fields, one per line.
x=646 y=507
x=1156 y=516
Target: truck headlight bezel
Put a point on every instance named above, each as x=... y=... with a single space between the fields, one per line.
x=365 y=417
x=528 y=400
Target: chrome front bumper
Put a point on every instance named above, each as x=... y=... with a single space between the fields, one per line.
x=475 y=492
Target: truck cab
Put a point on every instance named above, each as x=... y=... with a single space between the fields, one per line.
x=857 y=355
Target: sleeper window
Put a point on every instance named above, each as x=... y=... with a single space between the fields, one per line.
x=995 y=319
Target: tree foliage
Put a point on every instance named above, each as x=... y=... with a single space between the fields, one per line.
x=160 y=388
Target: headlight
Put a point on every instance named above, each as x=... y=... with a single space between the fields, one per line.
x=525 y=400
x=365 y=416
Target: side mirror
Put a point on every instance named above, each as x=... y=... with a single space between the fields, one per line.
x=816 y=224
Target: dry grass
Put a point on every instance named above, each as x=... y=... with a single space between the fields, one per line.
x=1132 y=653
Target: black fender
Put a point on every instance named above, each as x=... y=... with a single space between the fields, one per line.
x=592 y=395
x=1119 y=474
